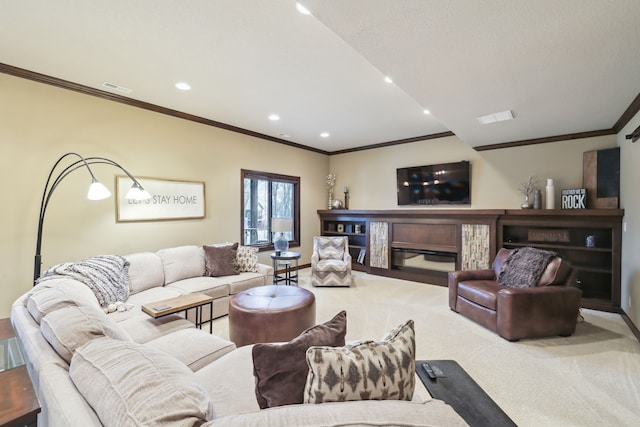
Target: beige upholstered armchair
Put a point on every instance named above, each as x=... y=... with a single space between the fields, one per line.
x=331 y=261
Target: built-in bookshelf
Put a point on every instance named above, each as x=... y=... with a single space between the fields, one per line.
x=434 y=232
x=356 y=230
x=590 y=239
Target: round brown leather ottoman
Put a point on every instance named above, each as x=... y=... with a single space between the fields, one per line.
x=270 y=314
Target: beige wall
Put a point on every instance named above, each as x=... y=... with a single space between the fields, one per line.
x=41 y=122
x=496 y=174
x=629 y=180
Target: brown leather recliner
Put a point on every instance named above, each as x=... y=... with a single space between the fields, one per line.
x=550 y=308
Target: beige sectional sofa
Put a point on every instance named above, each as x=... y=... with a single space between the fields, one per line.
x=172 y=272
x=93 y=368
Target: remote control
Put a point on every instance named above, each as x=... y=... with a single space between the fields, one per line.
x=427 y=368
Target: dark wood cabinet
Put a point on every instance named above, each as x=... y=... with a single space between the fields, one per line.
x=423 y=244
x=419 y=245
x=590 y=239
x=356 y=229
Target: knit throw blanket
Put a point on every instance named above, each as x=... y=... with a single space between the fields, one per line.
x=524 y=267
x=106 y=275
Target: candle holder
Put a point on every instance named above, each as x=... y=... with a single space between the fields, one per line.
x=346 y=197
x=331 y=182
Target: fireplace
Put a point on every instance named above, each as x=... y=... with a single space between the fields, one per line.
x=422 y=260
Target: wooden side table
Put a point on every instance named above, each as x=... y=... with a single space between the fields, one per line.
x=182 y=303
x=19 y=404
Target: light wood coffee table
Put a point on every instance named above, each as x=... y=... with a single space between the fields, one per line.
x=182 y=303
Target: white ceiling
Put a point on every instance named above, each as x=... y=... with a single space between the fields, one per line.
x=561 y=66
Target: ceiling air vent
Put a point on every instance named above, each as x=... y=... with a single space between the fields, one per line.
x=116 y=87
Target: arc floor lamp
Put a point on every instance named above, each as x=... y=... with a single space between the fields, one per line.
x=97 y=191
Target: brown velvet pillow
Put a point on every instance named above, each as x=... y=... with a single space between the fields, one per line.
x=281 y=369
x=220 y=260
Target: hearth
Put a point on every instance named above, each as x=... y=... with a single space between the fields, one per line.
x=419 y=260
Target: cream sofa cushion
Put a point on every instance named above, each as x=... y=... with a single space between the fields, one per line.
x=68 y=408
x=193 y=347
x=216 y=287
x=79 y=292
x=144 y=328
x=129 y=384
x=71 y=327
x=145 y=271
x=56 y=294
x=182 y=262
x=46 y=300
x=230 y=383
x=365 y=413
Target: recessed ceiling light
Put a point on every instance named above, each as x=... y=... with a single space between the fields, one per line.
x=427 y=112
x=388 y=79
x=325 y=134
x=274 y=117
x=496 y=117
x=183 y=86
x=284 y=135
x=303 y=10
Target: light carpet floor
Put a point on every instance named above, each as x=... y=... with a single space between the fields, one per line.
x=589 y=379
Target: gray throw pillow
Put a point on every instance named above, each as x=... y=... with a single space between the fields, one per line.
x=220 y=260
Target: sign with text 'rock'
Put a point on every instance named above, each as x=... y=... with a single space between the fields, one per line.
x=575 y=198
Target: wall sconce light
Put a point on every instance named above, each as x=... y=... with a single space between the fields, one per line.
x=97 y=191
x=635 y=135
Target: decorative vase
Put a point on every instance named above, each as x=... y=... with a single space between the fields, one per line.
x=537 y=199
x=280 y=244
x=551 y=198
x=526 y=204
x=330 y=199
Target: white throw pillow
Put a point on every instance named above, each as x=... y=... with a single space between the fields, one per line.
x=247 y=259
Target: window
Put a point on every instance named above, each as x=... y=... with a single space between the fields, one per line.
x=266 y=196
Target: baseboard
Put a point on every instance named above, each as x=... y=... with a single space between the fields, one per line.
x=629 y=323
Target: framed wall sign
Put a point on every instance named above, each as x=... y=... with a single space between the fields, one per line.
x=170 y=200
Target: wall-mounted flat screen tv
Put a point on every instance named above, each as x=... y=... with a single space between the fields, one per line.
x=442 y=184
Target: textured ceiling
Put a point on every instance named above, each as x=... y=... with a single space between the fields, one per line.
x=561 y=66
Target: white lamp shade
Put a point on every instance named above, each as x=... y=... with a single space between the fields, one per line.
x=282 y=225
x=137 y=193
x=97 y=191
